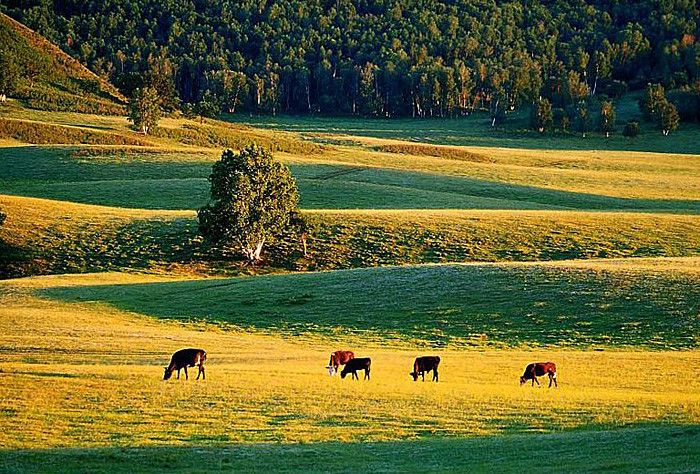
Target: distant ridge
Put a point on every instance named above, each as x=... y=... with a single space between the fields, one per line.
x=52 y=80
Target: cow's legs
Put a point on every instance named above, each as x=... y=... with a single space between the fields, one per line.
x=200 y=371
x=355 y=376
x=553 y=378
x=435 y=375
x=186 y=376
x=366 y=374
x=534 y=379
x=178 y=374
x=422 y=374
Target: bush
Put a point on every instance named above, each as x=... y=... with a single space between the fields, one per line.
x=561 y=120
x=631 y=129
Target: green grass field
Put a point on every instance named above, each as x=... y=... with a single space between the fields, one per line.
x=623 y=450
x=177 y=180
x=623 y=303
x=491 y=249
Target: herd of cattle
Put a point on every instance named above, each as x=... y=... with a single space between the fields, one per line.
x=196 y=357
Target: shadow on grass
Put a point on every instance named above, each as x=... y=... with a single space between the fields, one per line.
x=663 y=448
x=148 y=182
x=440 y=305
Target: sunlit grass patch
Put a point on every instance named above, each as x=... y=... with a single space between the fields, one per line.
x=84 y=375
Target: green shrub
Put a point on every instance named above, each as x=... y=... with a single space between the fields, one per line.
x=631 y=129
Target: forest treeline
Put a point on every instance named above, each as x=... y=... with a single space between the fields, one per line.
x=376 y=58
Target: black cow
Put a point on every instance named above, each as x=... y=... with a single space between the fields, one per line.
x=425 y=364
x=353 y=365
x=186 y=358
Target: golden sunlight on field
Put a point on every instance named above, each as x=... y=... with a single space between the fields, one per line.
x=89 y=375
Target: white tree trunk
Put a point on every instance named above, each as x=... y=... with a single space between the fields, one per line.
x=253 y=254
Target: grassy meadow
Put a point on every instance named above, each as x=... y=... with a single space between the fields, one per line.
x=490 y=249
x=82 y=378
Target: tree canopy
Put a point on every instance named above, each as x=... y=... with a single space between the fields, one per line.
x=380 y=58
x=144 y=109
x=253 y=198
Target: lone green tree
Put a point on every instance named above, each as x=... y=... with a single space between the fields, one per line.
x=208 y=106
x=606 y=120
x=583 y=118
x=542 y=118
x=252 y=200
x=668 y=117
x=651 y=101
x=144 y=109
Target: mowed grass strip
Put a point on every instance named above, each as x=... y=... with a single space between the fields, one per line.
x=532 y=305
x=85 y=375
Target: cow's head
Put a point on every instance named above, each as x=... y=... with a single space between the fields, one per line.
x=167 y=374
x=343 y=373
x=414 y=375
x=522 y=380
x=331 y=370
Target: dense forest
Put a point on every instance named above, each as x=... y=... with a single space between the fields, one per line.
x=377 y=57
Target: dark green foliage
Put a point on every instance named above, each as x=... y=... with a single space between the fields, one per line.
x=160 y=77
x=144 y=109
x=252 y=199
x=649 y=103
x=393 y=58
x=631 y=129
x=9 y=74
x=687 y=102
x=583 y=118
x=606 y=119
x=668 y=117
x=208 y=106
x=542 y=115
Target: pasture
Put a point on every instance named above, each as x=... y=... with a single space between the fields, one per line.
x=83 y=378
x=490 y=249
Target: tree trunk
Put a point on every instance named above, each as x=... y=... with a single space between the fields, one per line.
x=253 y=254
x=303 y=242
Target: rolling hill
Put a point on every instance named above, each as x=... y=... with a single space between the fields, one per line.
x=49 y=79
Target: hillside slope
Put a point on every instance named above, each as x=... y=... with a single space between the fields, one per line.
x=49 y=79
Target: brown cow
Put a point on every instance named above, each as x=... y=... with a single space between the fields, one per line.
x=425 y=364
x=537 y=369
x=339 y=358
x=354 y=365
x=186 y=358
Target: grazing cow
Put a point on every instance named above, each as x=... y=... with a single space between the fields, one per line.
x=354 y=365
x=186 y=358
x=537 y=369
x=425 y=364
x=339 y=358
